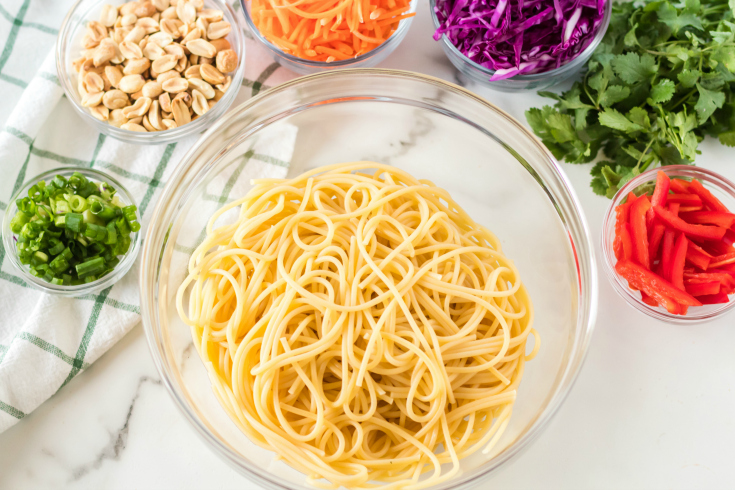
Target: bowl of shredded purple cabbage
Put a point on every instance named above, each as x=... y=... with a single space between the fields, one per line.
x=520 y=44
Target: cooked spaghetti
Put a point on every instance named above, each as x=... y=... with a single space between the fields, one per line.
x=357 y=322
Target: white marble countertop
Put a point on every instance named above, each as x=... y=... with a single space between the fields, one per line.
x=652 y=408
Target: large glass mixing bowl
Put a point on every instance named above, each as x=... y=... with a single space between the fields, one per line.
x=494 y=167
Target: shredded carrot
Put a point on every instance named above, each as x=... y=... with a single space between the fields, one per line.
x=328 y=30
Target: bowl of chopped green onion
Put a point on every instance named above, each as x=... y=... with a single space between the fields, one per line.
x=72 y=231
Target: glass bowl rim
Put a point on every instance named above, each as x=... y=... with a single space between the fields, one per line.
x=576 y=224
x=403 y=26
x=620 y=285
x=157 y=137
x=79 y=290
x=570 y=65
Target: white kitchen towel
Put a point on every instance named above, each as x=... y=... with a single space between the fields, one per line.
x=45 y=341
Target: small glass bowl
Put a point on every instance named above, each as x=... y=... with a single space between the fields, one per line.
x=126 y=262
x=307 y=67
x=534 y=81
x=68 y=47
x=721 y=187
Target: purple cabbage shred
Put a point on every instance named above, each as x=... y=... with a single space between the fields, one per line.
x=514 y=37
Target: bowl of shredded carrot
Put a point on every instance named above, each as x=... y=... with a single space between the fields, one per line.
x=308 y=36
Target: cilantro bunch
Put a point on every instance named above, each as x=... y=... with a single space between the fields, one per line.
x=662 y=78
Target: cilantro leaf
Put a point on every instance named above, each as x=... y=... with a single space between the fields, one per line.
x=726 y=56
x=708 y=102
x=613 y=95
x=561 y=127
x=688 y=78
x=633 y=68
x=640 y=117
x=670 y=156
x=556 y=132
x=662 y=91
x=630 y=38
x=614 y=119
x=692 y=6
x=668 y=15
x=727 y=138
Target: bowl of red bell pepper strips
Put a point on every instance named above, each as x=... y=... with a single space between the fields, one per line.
x=669 y=243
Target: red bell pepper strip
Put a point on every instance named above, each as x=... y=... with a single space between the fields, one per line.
x=714 y=299
x=703 y=288
x=654 y=240
x=699 y=249
x=697 y=256
x=696 y=259
x=640 y=234
x=725 y=220
x=729 y=268
x=667 y=253
x=726 y=280
x=717 y=248
x=686 y=199
x=721 y=260
x=709 y=200
x=654 y=286
x=679 y=186
x=723 y=277
x=729 y=238
x=659 y=194
x=703 y=231
x=677 y=261
x=661 y=190
x=648 y=300
x=627 y=242
x=621 y=217
x=691 y=209
x=631 y=198
x=674 y=208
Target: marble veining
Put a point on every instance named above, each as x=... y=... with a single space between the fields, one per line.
x=420 y=128
x=118 y=439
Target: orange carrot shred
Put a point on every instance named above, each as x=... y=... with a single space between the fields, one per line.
x=328 y=30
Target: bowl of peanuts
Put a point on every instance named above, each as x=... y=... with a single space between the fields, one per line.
x=151 y=71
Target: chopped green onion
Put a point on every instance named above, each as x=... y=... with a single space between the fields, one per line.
x=74 y=222
x=57 y=246
x=111 y=234
x=16 y=224
x=38 y=259
x=90 y=267
x=72 y=231
x=122 y=226
x=91 y=218
x=87 y=190
x=59 y=264
x=60 y=181
x=95 y=232
x=102 y=210
x=129 y=213
x=77 y=204
x=62 y=207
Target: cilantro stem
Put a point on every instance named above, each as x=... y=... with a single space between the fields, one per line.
x=682 y=100
x=657 y=53
x=640 y=159
x=711 y=10
x=585 y=85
